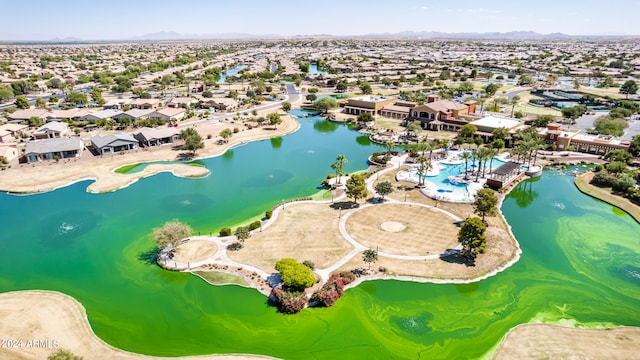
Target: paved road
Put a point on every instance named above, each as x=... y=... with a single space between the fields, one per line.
x=511 y=94
x=32 y=100
x=632 y=130
x=585 y=122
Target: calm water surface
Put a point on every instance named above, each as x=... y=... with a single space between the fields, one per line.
x=579 y=263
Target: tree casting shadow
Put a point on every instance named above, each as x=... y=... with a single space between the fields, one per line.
x=343 y=205
x=149 y=257
x=456 y=257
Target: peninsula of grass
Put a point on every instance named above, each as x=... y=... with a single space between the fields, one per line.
x=220 y=278
x=605 y=194
x=126 y=168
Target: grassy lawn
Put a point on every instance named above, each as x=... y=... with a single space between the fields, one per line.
x=500 y=245
x=536 y=110
x=387 y=123
x=425 y=231
x=303 y=231
x=604 y=194
x=220 y=278
x=195 y=250
x=126 y=168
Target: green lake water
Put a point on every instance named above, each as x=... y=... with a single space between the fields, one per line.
x=579 y=264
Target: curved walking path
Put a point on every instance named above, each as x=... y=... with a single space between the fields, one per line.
x=221 y=258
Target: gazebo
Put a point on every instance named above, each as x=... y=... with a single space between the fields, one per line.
x=505 y=175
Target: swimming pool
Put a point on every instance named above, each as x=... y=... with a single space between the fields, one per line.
x=438 y=185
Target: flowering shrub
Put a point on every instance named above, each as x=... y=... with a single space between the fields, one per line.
x=347 y=277
x=290 y=302
x=330 y=292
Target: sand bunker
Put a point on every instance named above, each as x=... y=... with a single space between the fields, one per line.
x=392 y=226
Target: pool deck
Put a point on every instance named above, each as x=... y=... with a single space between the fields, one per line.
x=437 y=192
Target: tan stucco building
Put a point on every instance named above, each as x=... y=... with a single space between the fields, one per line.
x=446 y=115
x=368 y=103
x=595 y=144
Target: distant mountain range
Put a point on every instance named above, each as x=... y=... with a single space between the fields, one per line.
x=512 y=35
x=172 y=35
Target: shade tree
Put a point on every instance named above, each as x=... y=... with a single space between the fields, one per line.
x=295 y=275
x=356 y=187
x=369 y=256
x=472 y=237
x=485 y=203
x=171 y=233
x=384 y=188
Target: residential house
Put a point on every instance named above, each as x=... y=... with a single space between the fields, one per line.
x=26 y=114
x=116 y=104
x=226 y=104
x=168 y=114
x=102 y=115
x=115 y=143
x=221 y=104
x=146 y=104
x=56 y=148
x=207 y=104
x=8 y=152
x=367 y=104
x=54 y=129
x=59 y=115
x=9 y=132
x=182 y=102
x=135 y=114
x=156 y=136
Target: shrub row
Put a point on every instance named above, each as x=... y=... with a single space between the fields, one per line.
x=225 y=231
x=254 y=225
x=329 y=293
x=333 y=289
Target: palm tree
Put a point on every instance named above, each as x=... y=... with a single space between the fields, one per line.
x=514 y=102
x=474 y=157
x=341 y=159
x=492 y=154
x=466 y=156
x=336 y=166
x=422 y=146
x=481 y=155
x=538 y=144
x=422 y=169
x=431 y=146
x=486 y=154
x=389 y=146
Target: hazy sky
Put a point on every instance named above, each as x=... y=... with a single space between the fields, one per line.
x=117 y=19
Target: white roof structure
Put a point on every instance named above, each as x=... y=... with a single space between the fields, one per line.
x=105 y=114
x=53 y=145
x=53 y=126
x=138 y=113
x=119 y=139
x=490 y=123
x=371 y=98
x=149 y=134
